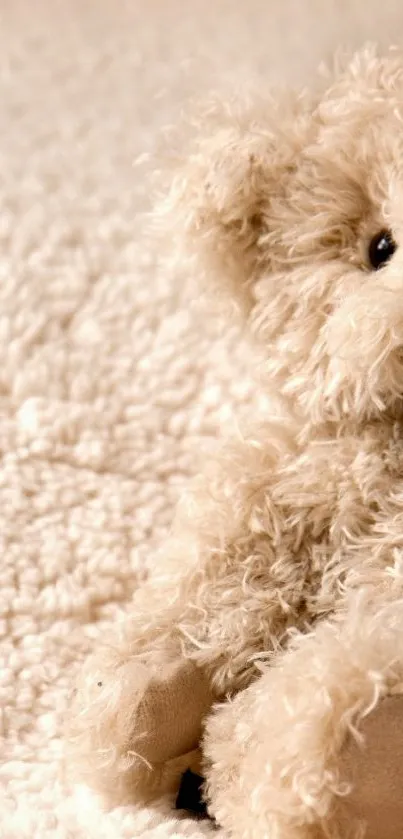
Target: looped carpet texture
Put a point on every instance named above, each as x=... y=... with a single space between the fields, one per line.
x=113 y=380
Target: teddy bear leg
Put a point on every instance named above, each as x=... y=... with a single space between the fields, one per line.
x=278 y=756
x=130 y=718
x=372 y=765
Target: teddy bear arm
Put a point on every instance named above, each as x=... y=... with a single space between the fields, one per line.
x=143 y=696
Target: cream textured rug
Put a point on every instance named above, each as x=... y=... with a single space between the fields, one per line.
x=111 y=381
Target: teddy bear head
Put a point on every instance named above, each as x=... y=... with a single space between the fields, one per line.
x=294 y=203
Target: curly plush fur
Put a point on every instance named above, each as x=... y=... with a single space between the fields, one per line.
x=290 y=548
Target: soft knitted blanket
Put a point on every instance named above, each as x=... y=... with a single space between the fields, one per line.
x=111 y=380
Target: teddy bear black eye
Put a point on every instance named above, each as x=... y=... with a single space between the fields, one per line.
x=381 y=249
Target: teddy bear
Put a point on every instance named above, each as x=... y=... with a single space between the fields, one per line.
x=271 y=635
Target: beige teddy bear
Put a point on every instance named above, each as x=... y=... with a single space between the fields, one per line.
x=273 y=631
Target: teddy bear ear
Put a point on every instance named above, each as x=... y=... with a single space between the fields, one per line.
x=217 y=211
